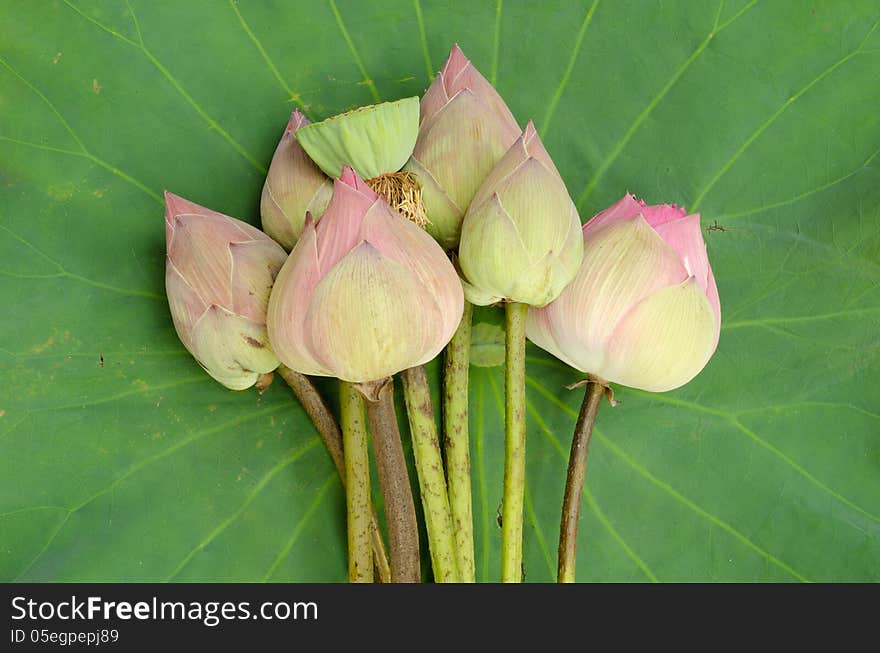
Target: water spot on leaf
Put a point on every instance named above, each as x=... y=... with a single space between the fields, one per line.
x=38 y=349
x=61 y=192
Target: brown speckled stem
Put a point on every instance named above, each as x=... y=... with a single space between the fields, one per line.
x=432 y=480
x=457 y=443
x=328 y=429
x=400 y=510
x=574 y=482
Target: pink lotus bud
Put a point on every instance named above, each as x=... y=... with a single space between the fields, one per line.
x=643 y=309
x=365 y=293
x=521 y=238
x=218 y=275
x=294 y=186
x=464 y=130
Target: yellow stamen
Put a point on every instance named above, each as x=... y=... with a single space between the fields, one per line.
x=402 y=192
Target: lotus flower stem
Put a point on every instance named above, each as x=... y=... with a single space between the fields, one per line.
x=328 y=429
x=357 y=483
x=432 y=480
x=514 y=443
x=574 y=482
x=457 y=445
x=400 y=510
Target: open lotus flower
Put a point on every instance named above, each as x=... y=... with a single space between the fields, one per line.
x=373 y=140
x=365 y=293
x=521 y=237
x=643 y=309
x=464 y=130
x=294 y=186
x=218 y=275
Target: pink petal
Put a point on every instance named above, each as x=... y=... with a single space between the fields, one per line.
x=255 y=264
x=686 y=238
x=176 y=205
x=434 y=99
x=659 y=214
x=200 y=252
x=289 y=302
x=412 y=247
x=455 y=65
x=297 y=120
x=625 y=208
x=460 y=145
x=339 y=230
x=293 y=186
x=468 y=77
x=231 y=228
x=350 y=178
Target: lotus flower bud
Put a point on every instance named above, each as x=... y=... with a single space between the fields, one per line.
x=521 y=238
x=372 y=140
x=365 y=293
x=643 y=309
x=218 y=275
x=464 y=130
x=294 y=186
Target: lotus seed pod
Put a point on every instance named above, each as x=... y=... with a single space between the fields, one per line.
x=373 y=140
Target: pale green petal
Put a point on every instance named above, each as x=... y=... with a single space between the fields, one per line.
x=232 y=348
x=663 y=342
x=622 y=264
x=515 y=156
x=571 y=254
x=460 y=145
x=370 y=318
x=444 y=217
x=538 y=203
x=491 y=253
x=478 y=297
x=255 y=264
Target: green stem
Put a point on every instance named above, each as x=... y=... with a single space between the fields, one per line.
x=400 y=510
x=514 y=443
x=574 y=482
x=457 y=445
x=328 y=429
x=432 y=481
x=357 y=483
